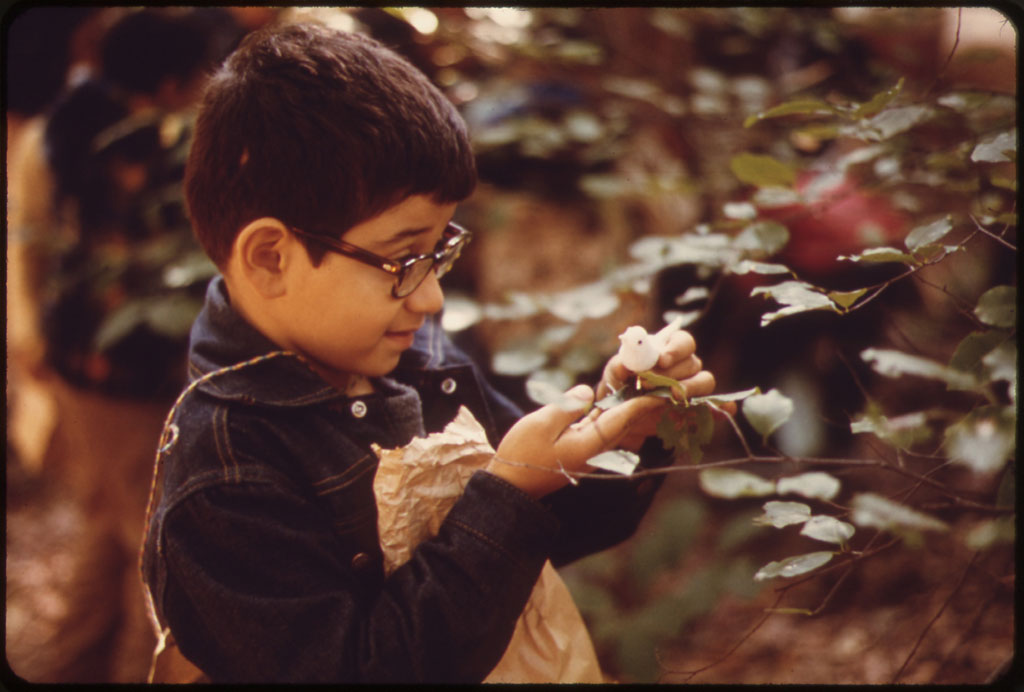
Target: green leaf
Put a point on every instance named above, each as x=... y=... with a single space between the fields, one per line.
x=998 y=306
x=762 y=170
x=845 y=299
x=790 y=611
x=895 y=364
x=705 y=429
x=780 y=514
x=874 y=511
x=879 y=101
x=594 y=301
x=693 y=295
x=994 y=149
x=828 y=529
x=517 y=361
x=766 y=412
x=119 y=324
x=172 y=315
x=674 y=386
x=460 y=312
x=765 y=237
x=983 y=440
x=718 y=399
x=750 y=266
x=928 y=234
x=794 y=566
x=549 y=386
x=796 y=296
x=801 y=107
x=973 y=348
x=1002 y=362
x=731 y=484
x=990 y=532
x=901 y=431
x=616 y=460
x=192 y=268
x=669 y=431
x=892 y=122
x=881 y=254
x=814 y=485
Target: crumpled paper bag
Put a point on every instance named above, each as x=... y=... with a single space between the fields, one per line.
x=415 y=487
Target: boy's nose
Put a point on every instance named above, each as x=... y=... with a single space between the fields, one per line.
x=428 y=298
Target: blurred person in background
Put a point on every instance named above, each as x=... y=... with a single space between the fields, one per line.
x=103 y=273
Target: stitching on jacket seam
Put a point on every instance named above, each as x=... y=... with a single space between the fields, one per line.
x=486 y=539
x=224 y=445
x=356 y=468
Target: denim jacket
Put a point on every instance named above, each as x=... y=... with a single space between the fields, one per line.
x=262 y=553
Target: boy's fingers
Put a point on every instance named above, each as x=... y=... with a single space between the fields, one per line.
x=680 y=370
x=680 y=346
x=701 y=384
x=558 y=416
x=615 y=375
x=595 y=435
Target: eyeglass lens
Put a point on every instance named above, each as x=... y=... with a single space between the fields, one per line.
x=417 y=272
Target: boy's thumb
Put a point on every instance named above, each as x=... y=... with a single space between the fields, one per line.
x=569 y=407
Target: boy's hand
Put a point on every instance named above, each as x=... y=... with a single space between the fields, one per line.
x=553 y=438
x=679 y=361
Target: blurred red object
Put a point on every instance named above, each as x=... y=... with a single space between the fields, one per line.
x=836 y=216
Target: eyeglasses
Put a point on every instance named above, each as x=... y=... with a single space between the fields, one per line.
x=409 y=273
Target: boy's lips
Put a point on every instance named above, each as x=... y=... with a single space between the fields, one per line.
x=402 y=337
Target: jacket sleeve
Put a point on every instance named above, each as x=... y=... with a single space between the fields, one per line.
x=258 y=591
x=597 y=513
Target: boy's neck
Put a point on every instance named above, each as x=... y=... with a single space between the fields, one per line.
x=350 y=384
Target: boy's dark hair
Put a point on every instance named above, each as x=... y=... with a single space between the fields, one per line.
x=322 y=130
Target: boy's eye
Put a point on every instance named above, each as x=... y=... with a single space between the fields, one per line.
x=404 y=257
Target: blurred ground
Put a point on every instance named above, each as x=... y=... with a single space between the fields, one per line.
x=971 y=642
x=941 y=611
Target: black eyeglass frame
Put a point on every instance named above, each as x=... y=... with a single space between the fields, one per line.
x=453 y=239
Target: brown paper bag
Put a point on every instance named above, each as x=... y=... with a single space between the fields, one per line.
x=415 y=487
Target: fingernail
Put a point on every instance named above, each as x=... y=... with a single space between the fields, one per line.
x=581 y=392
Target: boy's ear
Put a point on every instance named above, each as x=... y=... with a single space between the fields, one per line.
x=263 y=250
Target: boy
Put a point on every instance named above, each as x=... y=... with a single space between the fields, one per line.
x=322 y=180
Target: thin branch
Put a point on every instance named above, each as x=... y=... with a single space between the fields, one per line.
x=952 y=52
x=814 y=461
x=879 y=288
x=854 y=558
x=965 y=635
x=990 y=234
x=962 y=306
x=935 y=617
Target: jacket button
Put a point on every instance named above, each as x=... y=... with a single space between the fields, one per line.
x=359 y=409
x=449 y=385
x=360 y=561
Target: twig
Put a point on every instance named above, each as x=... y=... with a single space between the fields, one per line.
x=952 y=52
x=966 y=634
x=990 y=234
x=879 y=288
x=736 y=429
x=962 y=307
x=725 y=463
x=935 y=617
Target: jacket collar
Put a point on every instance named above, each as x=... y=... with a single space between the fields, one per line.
x=252 y=369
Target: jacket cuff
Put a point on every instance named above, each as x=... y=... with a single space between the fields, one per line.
x=506 y=519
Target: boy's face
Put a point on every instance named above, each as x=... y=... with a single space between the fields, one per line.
x=342 y=316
